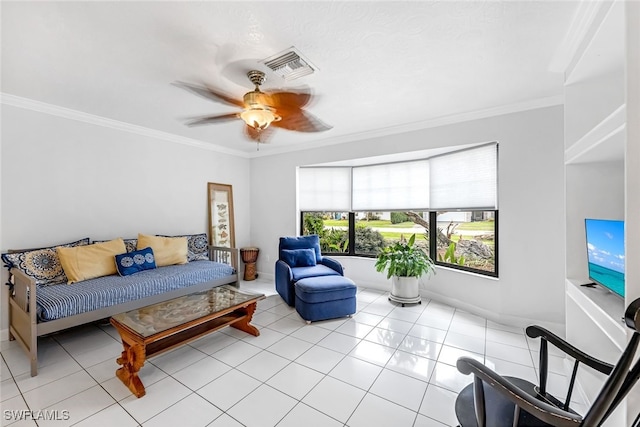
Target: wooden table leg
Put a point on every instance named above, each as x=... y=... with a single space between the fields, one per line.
x=244 y=325
x=132 y=360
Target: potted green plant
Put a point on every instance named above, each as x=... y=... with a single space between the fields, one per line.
x=405 y=263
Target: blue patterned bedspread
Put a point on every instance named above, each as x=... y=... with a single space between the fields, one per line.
x=62 y=300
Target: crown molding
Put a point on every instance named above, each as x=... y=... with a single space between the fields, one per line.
x=579 y=35
x=67 y=113
x=416 y=126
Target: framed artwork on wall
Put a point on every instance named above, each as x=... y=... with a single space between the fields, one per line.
x=221 y=226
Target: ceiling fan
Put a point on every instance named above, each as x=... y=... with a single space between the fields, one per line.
x=262 y=111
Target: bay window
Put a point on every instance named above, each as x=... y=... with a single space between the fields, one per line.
x=448 y=201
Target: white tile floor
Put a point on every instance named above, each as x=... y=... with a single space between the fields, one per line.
x=386 y=366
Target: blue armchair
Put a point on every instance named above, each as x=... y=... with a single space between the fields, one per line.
x=300 y=258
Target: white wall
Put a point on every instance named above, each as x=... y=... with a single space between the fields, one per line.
x=594 y=190
x=63 y=180
x=531 y=200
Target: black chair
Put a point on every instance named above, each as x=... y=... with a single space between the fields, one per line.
x=495 y=401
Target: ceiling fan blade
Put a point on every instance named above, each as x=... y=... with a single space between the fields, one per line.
x=212 y=119
x=301 y=121
x=209 y=93
x=295 y=99
x=262 y=136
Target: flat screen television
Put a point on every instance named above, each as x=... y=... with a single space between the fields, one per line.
x=605 y=249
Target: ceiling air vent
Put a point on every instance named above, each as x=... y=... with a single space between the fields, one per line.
x=289 y=65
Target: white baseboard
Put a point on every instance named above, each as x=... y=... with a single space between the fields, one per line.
x=371 y=285
x=504 y=319
x=4 y=334
x=267 y=276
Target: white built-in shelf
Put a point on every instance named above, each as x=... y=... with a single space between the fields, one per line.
x=599 y=181
x=605 y=142
x=605 y=309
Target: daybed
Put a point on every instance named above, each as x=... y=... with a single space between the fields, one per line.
x=38 y=307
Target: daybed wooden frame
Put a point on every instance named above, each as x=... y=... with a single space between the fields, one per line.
x=23 y=321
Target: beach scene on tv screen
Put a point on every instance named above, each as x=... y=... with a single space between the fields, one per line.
x=605 y=244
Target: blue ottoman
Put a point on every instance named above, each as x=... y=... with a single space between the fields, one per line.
x=325 y=297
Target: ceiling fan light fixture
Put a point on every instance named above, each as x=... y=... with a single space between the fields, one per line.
x=259 y=117
x=257 y=113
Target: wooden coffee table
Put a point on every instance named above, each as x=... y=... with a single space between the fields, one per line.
x=152 y=330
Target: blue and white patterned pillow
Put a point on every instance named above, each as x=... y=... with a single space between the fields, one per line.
x=133 y=262
x=197 y=246
x=43 y=265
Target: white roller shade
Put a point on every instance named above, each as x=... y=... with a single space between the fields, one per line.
x=391 y=186
x=324 y=189
x=465 y=179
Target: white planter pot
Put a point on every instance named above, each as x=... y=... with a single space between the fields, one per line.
x=405 y=290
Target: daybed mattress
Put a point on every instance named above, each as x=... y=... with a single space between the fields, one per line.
x=63 y=300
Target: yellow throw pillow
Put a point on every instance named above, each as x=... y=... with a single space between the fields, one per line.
x=166 y=250
x=90 y=261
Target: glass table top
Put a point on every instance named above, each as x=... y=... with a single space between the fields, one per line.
x=159 y=317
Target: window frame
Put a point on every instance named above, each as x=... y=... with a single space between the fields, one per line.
x=433 y=247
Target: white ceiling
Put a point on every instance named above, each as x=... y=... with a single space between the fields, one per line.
x=381 y=64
